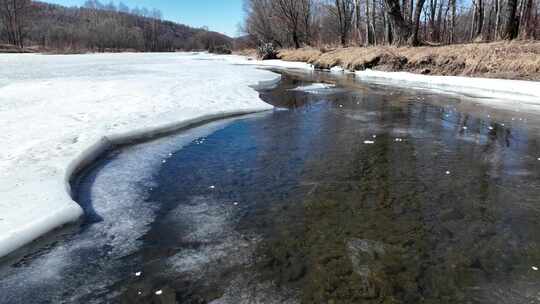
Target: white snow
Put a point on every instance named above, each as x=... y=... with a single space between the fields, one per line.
x=502 y=93
x=59 y=113
x=337 y=69
x=282 y=64
x=314 y=88
x=519 y=93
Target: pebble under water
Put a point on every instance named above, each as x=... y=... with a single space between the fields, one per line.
x=346 y=193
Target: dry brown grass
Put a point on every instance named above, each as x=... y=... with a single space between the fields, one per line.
x=511 y=60
x=308 y=55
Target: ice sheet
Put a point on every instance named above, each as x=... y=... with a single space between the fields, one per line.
x=58 y=112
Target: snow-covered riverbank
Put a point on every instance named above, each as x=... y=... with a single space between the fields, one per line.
x=58 y=112
x=501 y=93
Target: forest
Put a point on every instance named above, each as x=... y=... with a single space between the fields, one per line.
x=298 y=23
x=98 y=27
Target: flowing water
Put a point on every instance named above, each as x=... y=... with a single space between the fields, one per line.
x=346 y=193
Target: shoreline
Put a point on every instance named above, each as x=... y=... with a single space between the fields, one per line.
x=70 y=211
x=48 y=199
x=501 y=93
x=73 y=211
x=516 y=60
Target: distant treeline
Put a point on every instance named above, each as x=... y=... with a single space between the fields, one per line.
x=297 y=23
x=99 y=27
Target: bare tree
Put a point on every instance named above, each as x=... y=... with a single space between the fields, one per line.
x=294 y=14
x=279 y=21
x=407 y=22
x=510 y=25
x=343 y=10
x=477 y=20
x=260 y=22
x=452 y=22
x=370 y=32
x=525 y=23
x=497 y=4
x=397 y=25
x=14 y=14
x=95 y=27
x=418 y=8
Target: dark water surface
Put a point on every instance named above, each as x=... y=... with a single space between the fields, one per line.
x=352 y=193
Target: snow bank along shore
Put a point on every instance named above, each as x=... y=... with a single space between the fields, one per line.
x=514 y=94
x=58 y=113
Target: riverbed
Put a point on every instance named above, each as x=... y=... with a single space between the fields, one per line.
x=347 y=192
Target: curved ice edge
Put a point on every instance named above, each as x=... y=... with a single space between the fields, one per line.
x=72 y=211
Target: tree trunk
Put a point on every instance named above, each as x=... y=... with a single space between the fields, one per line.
x=357 y=23
x=479 y=26
x=496 y=35
x=369 y=38
x=387 y=29
x=453 y=22
x=444 y=25
x=400 y=29
x=489 y=24
x=374 y=21
x=296 y=40
x=405 y=9
x=437 y=30
x=524 y=24
x=509 y=28
x=413 y=39
x=411 y=12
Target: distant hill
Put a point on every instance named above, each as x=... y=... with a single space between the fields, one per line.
x=97 y=27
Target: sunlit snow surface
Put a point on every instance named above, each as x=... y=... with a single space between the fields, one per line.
x=54 y=108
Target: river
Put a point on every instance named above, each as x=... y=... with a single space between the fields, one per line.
x=346 y=193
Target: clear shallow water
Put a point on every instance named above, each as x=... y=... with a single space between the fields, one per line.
x=350 y=194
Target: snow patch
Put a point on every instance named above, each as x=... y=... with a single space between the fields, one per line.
x=315 y=88
x=498 y=92
x=337 y=69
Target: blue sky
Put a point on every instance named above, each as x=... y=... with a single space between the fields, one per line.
x=219 y=15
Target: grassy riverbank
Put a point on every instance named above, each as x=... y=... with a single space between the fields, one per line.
x=507 y=60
